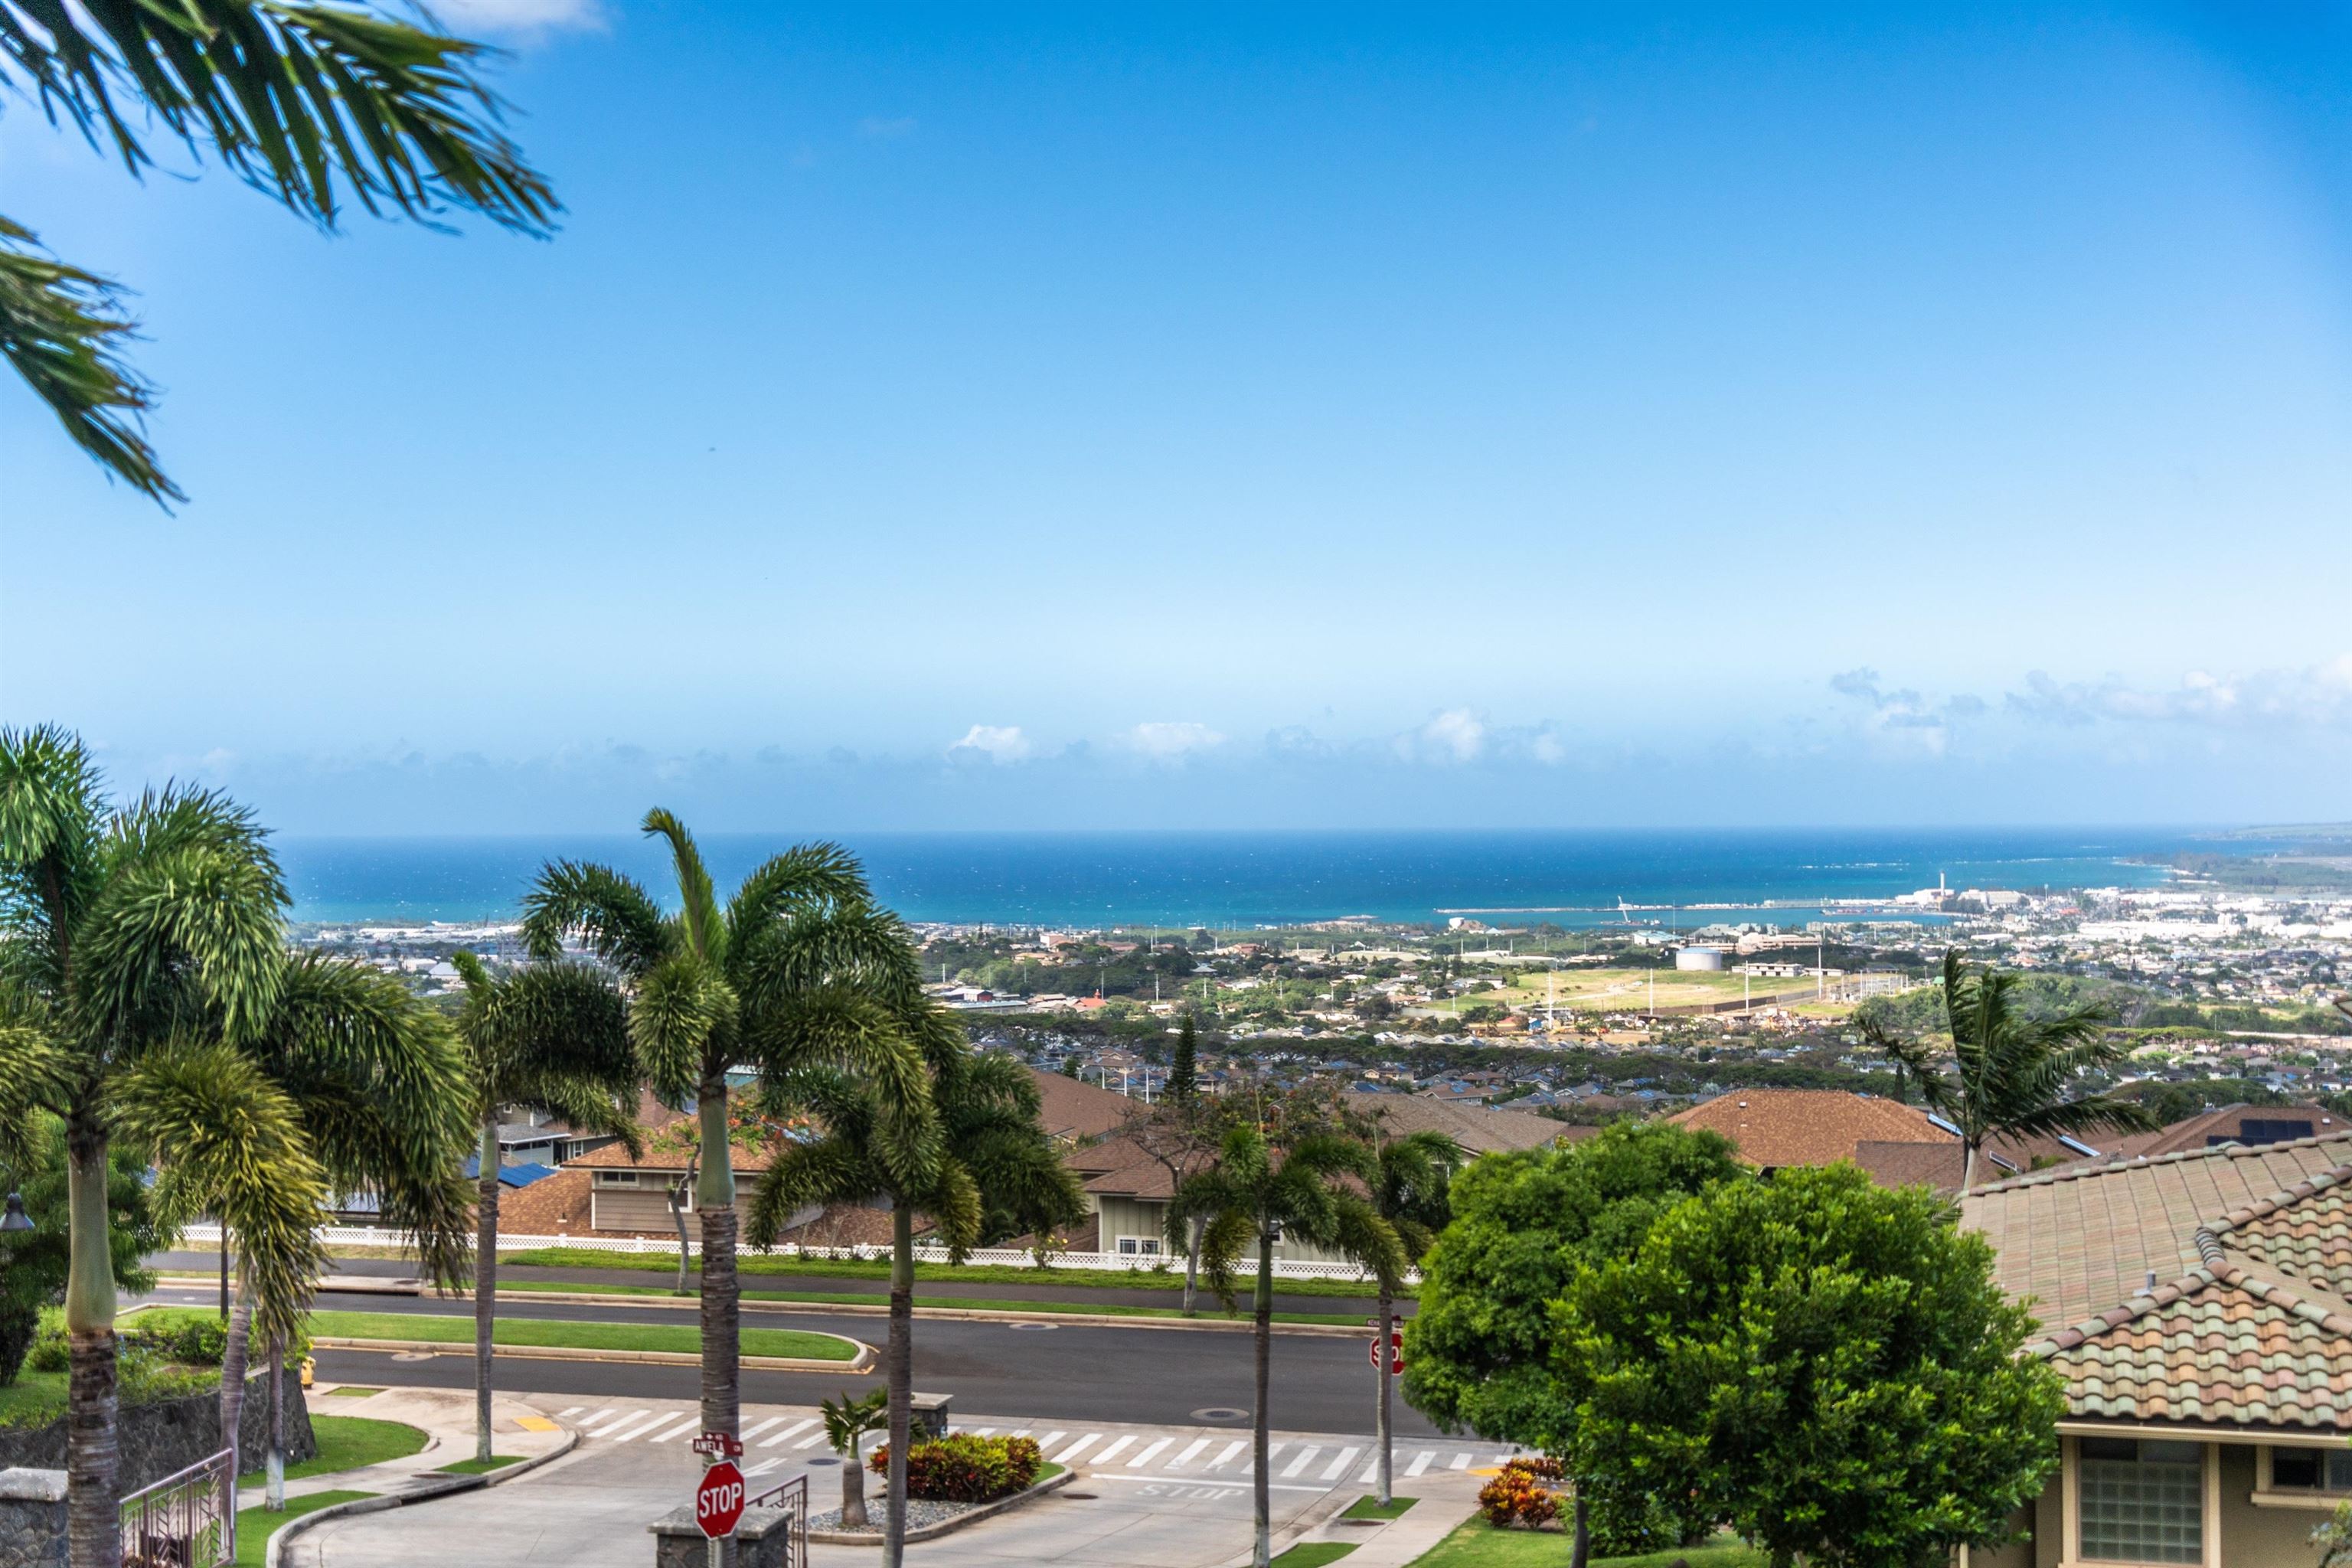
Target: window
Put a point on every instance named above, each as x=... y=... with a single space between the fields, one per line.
x=2142 y=1500
x=2311 y=1469
x=617 y=1178
x=1139 y=1246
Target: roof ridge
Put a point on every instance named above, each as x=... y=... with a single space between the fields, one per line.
x=2138 y=1305
x=2285 y=1197
x=2147 y=1161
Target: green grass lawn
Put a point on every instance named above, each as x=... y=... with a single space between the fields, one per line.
x=837 y=1298
x=347 y=1442
x=477 y=1466
x=968 y=1273
x=35 y=1399
x=447 y=1329
x=255 y=1526
x=1314 y=1553
x=1369 y=1507
x=1474 y=1544
x=350 y=1390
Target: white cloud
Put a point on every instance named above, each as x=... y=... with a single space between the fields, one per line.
x=1456 y=735
x=2317 y=696
x=464 y=16
x=997 y=742
x=1170 y=738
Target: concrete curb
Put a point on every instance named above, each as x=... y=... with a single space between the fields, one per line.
x=1316 y=1515
x=862 y=1362
x=275 y=1557
x=963 y=1315
x=948 y=1526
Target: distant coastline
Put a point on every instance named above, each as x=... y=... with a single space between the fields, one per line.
x=1235 y=879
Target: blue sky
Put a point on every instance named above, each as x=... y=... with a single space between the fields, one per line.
x=1126 y=416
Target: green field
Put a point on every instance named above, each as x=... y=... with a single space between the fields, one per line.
x=255 y=1526
x=445 y=1328
x=347 y=1442
x=937 y=1273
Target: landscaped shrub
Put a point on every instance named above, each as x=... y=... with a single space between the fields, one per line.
x=961 y=1467
x=1517 y=1495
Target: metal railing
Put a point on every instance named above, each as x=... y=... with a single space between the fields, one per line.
x=1003 y=1257
x=184 y=1521
x=794 y=1494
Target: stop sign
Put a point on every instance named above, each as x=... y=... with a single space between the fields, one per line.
x=1396 y=1353
x=719 y=1499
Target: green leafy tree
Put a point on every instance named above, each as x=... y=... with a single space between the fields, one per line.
x=306 y=103
x=1478 y=1353
x=2012 y=1071
x=1304 y=1183
x=149 y=1002
x=975 y=1149
x=799 y=971
x=847 y=1423
x=551 y=1037
x=33 y=1264
x=1826 y=1364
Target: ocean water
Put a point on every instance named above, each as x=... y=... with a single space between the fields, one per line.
x=1232 y=880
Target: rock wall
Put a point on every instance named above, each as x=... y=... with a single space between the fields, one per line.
x=32 y=1518
x=172 y=1433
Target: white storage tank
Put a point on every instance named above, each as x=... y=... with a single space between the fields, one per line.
x=1697 y=957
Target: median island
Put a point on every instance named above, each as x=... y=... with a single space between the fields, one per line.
x=448 y=1329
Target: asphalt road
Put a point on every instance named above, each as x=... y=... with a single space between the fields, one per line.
x=942 y=1292
x=1060 y=1373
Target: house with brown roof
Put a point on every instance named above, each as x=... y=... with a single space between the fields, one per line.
x=2248 y=1125
x=1898 y=1144
x=2199 y=1306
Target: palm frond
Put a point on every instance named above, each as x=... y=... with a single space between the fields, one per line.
x=299 y=99
x=616 y=918
x=831 y=1170
x=681 y=1009
x=61 y=329
x=706 y=933
x=805 y=880
x=229 y=1139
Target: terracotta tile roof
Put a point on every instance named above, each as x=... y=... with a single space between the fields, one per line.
x=2245 y=1321
x=1776 y=1127
x=1475 y=1129
x=1072 y=1110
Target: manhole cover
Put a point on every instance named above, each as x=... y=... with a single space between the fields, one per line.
x=824 y=1461
x=1033 y=1328
x=1220 y=1413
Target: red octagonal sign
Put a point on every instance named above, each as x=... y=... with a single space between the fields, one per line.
x=719 y=1499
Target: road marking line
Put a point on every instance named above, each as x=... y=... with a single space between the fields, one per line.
x=634 y=1426
x=686 y=1423
x=569 y=1413
x=1105 y=1456
x=1339 y=1466
x=1461 y=1462
x=1090 y=1440
x=1144 y=1457
x=1234 y=1484
x=1050 y=1438
x=796 y=1426
x=808 y=1442
x=680 y=1431
x=1186 y=1457
x=984 y=1432
x=1306 y=1457
x=751 y=1432
x=587 y=1421
x=762 y=1468
x=1420 y=1463
x=620 y=1418
x=1222 y=1460
x=1371 y=1472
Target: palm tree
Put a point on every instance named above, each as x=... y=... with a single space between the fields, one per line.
x=151 y=1000
x=1408 y=1190
x=2010 y=1072
x=977 y=1161
x=847 y=1421
x=1310 y=1186
x=799 y=970
x=554 y=1037
x=301 y=100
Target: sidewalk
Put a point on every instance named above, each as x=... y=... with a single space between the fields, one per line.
x=447 y=1416
x=1447 y=1498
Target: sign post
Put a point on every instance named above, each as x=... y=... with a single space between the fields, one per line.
x=718 y=1497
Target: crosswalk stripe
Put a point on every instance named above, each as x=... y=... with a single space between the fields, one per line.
x=1339 y=1466
x=587 y=1421
x=1104 y=1457
x=1420 y=1463
x=620 y=1418
x=1050 y=1438
x=810 y=1441
x=801 y=1425
x=1222 y=1460
x=1306 y=1457
x=687 y=1417
x=985 y=1431
x=1088 y=1441
x=568 y=1414
x=637 y=1422
x=751 y=1432
x=684 y=1427
x=1371 y=1472
x=1144 y=1457
x=1461 y=1462
x=1186 y=1457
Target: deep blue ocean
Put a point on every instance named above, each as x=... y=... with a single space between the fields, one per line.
x=1250 y=879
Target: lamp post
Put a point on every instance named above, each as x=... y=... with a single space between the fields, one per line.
x=16 y=1219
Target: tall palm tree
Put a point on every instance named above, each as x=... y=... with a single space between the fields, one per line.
x=2010 y=1072
x=798 y=970
x=551 y=1037
x=1408 y=1190
x=1310 y=1186
x=981 y=1164
x=151 y=1001
x=301 y=100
